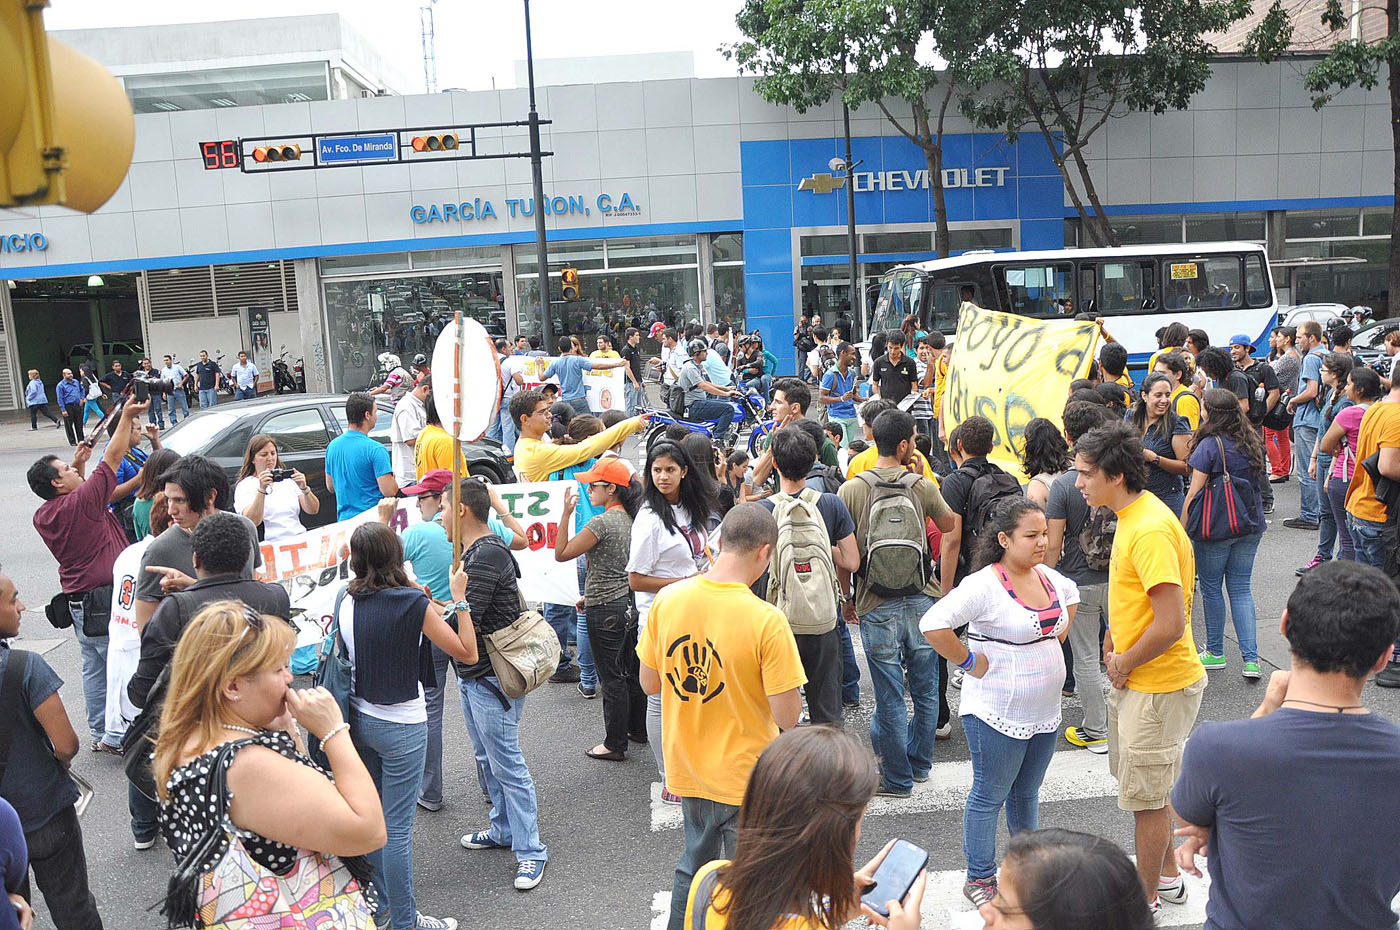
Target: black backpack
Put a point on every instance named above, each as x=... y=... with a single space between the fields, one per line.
x=990 y=486
x=1257 y=396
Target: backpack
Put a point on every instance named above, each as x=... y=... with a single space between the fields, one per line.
x=1257 y=395
x=825 y=479
x=1096 y=537
x=990 y=486
x=897 y=561
x=803 y=581
x=826 y=360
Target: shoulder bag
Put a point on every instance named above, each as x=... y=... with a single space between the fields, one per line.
x=334 y=673
x=524 y=653
x=1225 y=507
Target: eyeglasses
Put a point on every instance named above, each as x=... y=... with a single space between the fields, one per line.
x=255 y=622
x=429 y=495
x=1004 y=909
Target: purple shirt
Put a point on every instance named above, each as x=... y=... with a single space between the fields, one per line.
x=82 y=533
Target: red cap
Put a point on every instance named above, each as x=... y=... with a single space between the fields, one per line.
x=610 y=468
x=433 y=482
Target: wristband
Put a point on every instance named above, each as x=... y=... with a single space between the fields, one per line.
x=967 y=664
x=460 y=606
x=334 y=730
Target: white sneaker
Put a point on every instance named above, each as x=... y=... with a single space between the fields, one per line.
x=955 y=680
x=1172 y=894
x=944 y=732
x=436 y=923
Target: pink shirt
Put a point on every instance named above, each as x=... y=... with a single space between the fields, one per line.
x=1344 y=460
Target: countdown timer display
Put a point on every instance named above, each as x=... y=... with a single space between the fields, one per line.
x=220 y=154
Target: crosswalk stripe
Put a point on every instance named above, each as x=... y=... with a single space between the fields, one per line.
x=1073 y=775
x=945 y=906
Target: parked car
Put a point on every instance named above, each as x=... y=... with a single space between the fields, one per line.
x=128 y=353
x=303 y=425
x=1369 y=342
x=1324 y=313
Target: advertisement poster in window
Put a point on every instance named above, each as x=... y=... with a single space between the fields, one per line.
x=260 y=345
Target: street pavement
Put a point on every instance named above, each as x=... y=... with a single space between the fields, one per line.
x=612 y=844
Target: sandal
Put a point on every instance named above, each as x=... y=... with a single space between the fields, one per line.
x=611 y=755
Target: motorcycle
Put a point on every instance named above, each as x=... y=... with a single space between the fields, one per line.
x=299 y=371
x=749 y=408
x=282 y=380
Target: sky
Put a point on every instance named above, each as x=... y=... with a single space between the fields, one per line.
x=477 y=40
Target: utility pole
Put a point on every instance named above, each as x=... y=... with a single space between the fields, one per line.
x=537 y=175
x=857 y=304
x=425 y=23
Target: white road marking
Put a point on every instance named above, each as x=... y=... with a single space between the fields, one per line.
x=1074 y=775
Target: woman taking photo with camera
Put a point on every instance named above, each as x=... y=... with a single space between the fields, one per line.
x=271 y=496
x=230 y=708
x=793 y=865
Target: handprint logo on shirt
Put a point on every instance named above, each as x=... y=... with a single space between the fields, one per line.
x=695 y=669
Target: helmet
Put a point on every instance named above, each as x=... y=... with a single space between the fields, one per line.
x=696 y=346
x=389 y=360
x=420 y=360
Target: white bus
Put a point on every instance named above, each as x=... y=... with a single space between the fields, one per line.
x=1223 y=288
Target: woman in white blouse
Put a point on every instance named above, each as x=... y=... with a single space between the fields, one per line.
x=270 y=495
x=1018 y=612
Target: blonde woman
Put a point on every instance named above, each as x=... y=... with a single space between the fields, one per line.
x=229 y=684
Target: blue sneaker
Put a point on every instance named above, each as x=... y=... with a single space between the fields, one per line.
x=481 y=839
x=528 y=874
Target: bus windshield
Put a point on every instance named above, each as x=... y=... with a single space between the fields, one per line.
x=899 y=296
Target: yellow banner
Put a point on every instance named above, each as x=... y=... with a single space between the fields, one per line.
x=1012 y=369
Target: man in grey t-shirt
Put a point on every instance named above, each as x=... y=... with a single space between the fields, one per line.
x=1066 y=513
x=699 y=405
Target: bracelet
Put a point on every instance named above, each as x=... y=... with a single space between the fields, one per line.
x=967 y=664
x=334 y=730
x=459 y=606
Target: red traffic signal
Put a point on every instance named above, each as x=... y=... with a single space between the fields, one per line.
x=569 y=279
x=277 y=153
x=443 y=143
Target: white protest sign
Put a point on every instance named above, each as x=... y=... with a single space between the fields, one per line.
x=605 y=387
x=469 y=380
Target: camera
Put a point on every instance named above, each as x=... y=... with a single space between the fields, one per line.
x=140 y=391
x=281 y=474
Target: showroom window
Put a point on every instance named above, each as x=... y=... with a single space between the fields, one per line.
x=727 y=258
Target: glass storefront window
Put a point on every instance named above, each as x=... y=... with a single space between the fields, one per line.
x=365 y=264
x=587 y=254
x=729 y=296
x=896 y=242
x=1142 y=230
x=964 y=240
x=1322 y=224
x=1225 y=227
x=1375 y=221
x=727 y=247
x=654 y=250
x=613 y=301
x=403 y=316
x=822 y=245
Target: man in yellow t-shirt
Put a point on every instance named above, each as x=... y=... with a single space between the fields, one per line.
x=536 y=460
x=727 y=668
x=1150 y=656
x=434 y=446
x=1366 y=514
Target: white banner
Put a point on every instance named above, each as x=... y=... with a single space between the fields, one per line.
x=606 y=387
x=314 y=565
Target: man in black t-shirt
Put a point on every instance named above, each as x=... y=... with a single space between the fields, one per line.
x=894 y=374
x=207 y=376
x=116 y=380
x=632 y=353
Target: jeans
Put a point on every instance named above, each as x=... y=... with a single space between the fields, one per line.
x=393 y=753
x=632 y=397
x=848 y=429
x=711 y=829
x=1230 y=561
x=1280 y=450
x=493 y=431
x=821 y=661
x=508 y=431
x=1005 y=772
x=1083 y=642
x=155 y=414
x=762 y=384
x=495 y=733
x=1304 y=438
x=894 y=646
x=711 y=409
x=564 y=619
x=35 y=410
x=654 y=735
x=176 y=398
x=72 y=422
x=850 y=671
x=432 y=765
x=1326 y=520
x=612 y=631
x=145 y=814
x=247 y=393
x=208 y=397
x=1371 y=540
x=1337 y=501
x=60 y=870
x=94 y=653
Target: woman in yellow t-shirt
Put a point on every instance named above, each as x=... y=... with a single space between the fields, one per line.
x=798 y=829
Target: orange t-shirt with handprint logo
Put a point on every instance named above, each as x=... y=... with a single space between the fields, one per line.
x=720 y=652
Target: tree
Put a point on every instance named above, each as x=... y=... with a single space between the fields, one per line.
x=807 y=51
x=1064 y=68
x=1349 y=62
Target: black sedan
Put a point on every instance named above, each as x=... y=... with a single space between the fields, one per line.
x=303 y=425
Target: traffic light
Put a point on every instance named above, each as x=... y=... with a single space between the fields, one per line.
x=569 y=278
x=66 y=127
x=444 y=143
x=265 y=153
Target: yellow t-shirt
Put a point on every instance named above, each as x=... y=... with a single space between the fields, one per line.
x=720 y=652
x=714 y=920
x=1380 y=429
x=940 y=383
x=600 y=353
x=864 y=461
x=433 y=450
x=1124 y=380
x=536 y=460
x=1187 y=404
x=1152 y=361
x=1151 y=548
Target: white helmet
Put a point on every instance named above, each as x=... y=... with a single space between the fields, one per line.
x=389 y=360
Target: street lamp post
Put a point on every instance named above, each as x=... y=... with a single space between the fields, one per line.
x=856 y=301
x=537 y=176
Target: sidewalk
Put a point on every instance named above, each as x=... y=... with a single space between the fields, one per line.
x=17 y=436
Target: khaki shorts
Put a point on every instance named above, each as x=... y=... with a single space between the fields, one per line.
x=1146 y=733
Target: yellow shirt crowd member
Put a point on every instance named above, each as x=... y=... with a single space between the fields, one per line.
x=536 y=460
x=864 y=461
x=1380 y=429
x=714 y=920
x=1151 y=548
x=720 y=652
x=940 y=383
x=433 y=450
x=1186 y=404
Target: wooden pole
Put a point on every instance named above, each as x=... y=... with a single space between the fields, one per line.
x=458 y=402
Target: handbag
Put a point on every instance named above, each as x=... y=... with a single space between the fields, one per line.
x=237 y=893
x=333 y=672
x=1225 y=507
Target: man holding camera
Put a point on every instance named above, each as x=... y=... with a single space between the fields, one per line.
x=85 y=538
x=156 y=388
x=174 y=374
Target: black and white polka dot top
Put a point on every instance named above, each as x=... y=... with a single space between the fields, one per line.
x=190 y=809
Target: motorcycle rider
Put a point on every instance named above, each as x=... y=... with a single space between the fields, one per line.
x=397 y=382
x=696 y=386
x=421 y=367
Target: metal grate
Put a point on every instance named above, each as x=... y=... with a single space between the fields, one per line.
x=289 y=285
x=255 y=284
x=180 y=294
x=7 y=386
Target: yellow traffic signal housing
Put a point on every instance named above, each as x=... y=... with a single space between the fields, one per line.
x=265 y=153
x=442 y=143
x=66 y=126
x=569 y=279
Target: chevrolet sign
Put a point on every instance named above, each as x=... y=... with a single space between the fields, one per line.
x=864 y=181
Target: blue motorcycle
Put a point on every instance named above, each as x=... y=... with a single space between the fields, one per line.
x=748 y=411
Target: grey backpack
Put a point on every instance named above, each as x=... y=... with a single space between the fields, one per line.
x=897 y=561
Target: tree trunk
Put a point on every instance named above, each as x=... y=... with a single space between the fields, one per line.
x=1392 y=15
x=932 y=146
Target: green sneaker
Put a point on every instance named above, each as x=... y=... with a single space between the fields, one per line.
x=1214 y=662
x=1250 y=670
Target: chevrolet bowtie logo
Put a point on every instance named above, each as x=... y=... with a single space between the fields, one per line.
x=823 y=183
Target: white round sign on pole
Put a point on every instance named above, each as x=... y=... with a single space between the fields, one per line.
x=466 y=383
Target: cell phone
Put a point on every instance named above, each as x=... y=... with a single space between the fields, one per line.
x=141 y=391
x=895 y=876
